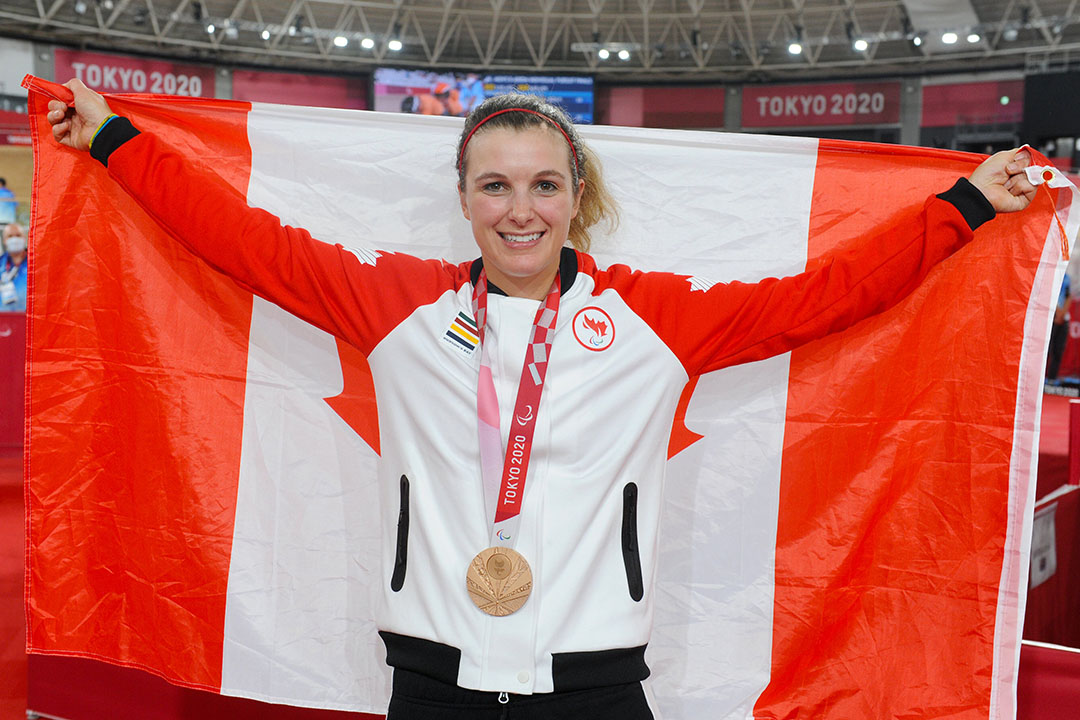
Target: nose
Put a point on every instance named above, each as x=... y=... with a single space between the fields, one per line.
x=521 y=208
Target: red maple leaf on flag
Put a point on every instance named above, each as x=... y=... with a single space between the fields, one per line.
x=356 y=404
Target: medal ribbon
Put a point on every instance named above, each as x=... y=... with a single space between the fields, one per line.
x=504 y=487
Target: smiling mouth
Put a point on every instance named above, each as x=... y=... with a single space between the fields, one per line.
x=531 y=237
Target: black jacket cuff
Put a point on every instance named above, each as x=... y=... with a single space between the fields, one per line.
x=971 y=203
x=115 y=133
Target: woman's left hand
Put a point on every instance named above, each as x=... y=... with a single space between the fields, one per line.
x=1001 y=178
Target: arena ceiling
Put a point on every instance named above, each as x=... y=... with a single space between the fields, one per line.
x=666 y=40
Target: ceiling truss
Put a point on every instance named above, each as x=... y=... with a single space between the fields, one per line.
x=665 y=39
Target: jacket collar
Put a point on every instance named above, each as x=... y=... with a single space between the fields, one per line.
x=568 y=270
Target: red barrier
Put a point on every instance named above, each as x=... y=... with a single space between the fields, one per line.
x=12 y=625
x=1053 y=445
x=1070 y=357
x=1049 y=684
x=78 y=689
x=1051 y=615
x=1074 y=442
x=12 y=369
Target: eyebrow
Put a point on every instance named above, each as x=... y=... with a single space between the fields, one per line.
x=498 y=175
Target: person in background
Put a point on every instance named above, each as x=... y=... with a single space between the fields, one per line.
x=1059 y=334
x=13 y=270
x=7 y=203
x=470 y=92
x=422 y=105
x=448 y=96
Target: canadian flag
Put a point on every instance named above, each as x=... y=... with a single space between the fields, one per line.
x=846 y=527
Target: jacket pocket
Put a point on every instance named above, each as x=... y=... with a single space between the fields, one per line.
x=631 y=557
x=401 y=556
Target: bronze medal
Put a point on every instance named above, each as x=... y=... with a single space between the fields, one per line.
x=499 y=581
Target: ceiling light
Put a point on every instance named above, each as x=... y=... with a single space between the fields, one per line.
x=603 y=53
x=860 y=45
x=296 y=27
x=949 y=38
x=624 y=54
x=1011 y=34
x=796 y=45
x=265 y=34
x=210 y=28
x=80 y=7
x=394 y=45
x=367 y=43
x=974 y=37
x=917 y=40
x=341 y=41
x=1004 y=100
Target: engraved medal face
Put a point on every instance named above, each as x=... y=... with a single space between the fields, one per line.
x=499 y=581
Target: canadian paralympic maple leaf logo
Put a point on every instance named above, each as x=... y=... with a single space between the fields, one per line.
x=597 y=326
x=594 y=329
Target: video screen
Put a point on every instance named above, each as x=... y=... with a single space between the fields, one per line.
x=426 y=92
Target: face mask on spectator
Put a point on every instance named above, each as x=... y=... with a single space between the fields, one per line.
x=15 y=244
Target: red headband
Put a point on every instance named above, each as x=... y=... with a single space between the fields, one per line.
x=557 y=126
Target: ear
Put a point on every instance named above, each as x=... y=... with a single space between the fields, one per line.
x=464 y=204
x=577 y=197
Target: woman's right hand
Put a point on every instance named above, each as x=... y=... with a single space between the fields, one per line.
x=74 y=125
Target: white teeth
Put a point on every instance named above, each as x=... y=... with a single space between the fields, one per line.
x=521 y=238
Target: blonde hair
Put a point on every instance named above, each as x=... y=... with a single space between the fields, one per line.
x=596 y=203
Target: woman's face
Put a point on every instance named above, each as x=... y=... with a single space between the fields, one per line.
x=520 y=197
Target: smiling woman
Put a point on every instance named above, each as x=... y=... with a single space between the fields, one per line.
x=519 y=559
x=522 y=112
x=520 y=197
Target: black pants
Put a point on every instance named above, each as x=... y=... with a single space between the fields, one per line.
x=417 y=697
x=1059 y=336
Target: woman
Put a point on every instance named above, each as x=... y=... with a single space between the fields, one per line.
x=521 y=517
x=13 y=269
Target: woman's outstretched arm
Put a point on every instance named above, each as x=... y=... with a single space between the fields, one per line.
x=356 y=296
x=732 y=323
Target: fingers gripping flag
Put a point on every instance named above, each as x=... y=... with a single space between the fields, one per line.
x=845 y=526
